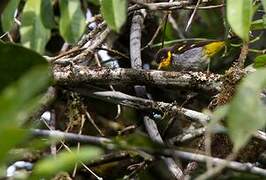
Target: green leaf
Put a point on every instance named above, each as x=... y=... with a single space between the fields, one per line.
x=247 y=112
x=259 y=24
x=33 y=33
x=219 y=114
x=11 y=136
x=8 y=15
x=114 y=13
x=16 y=60
x=239 y=15
x=47 y=14
x=260 y=61
x=263 y=4
x=18 y=100
x=72 y=21
x=65 y=161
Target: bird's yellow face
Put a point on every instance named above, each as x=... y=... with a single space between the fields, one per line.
x=166 y=62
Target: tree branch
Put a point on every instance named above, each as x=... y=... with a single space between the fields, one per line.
x=120 y=76
x=70 y=137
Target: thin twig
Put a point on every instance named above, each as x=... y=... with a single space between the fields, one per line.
x=70 y=137
x=192 y=15
x=187 y=135
x=115 y=52
x=162 y=5
x=98 y=41
x=169 y=6
x=175 y=26
x=154 y=36
x=78 y=147
x=93 y=123
x=242 y=167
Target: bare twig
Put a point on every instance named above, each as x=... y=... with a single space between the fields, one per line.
x=92 y=34
x=162 y=5
x=192 y=15
x=187 y=135
x=93 y=123
x=115 y=52
x=156 y=137
x=170 y=6
x=243 y=167
x=154 y=35
x=91 y=47
x=78 y=146
x=175 y=26
x=71 y=137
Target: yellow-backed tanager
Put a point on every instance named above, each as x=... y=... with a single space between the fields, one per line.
x=188 y=56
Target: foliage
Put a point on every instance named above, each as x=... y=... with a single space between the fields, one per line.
x=239 y=15
x=8 y=15
x=114 y=13
x=72 y=21
x=247 y=109
x=260 y=61
x=65 y=161
x=33 y=30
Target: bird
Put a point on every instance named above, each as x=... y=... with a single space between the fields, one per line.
x=188 y=56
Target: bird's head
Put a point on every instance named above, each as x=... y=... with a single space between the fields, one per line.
x=164 y=58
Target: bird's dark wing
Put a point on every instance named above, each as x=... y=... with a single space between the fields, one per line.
x=181 y=48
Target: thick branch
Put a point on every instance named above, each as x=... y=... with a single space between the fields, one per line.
x=122 y=77
x=141 y=103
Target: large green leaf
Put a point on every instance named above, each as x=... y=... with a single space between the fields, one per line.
x=47 y=14
x=8 y=15
x=65 y=161
x=11 y=136
x=33 y=33
x=260 y=61
x=16 y=60
x=239 y=15
x=72 y=21
x=247 y=112
x=20 y=98
x=17 y=102
x=114 y=13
